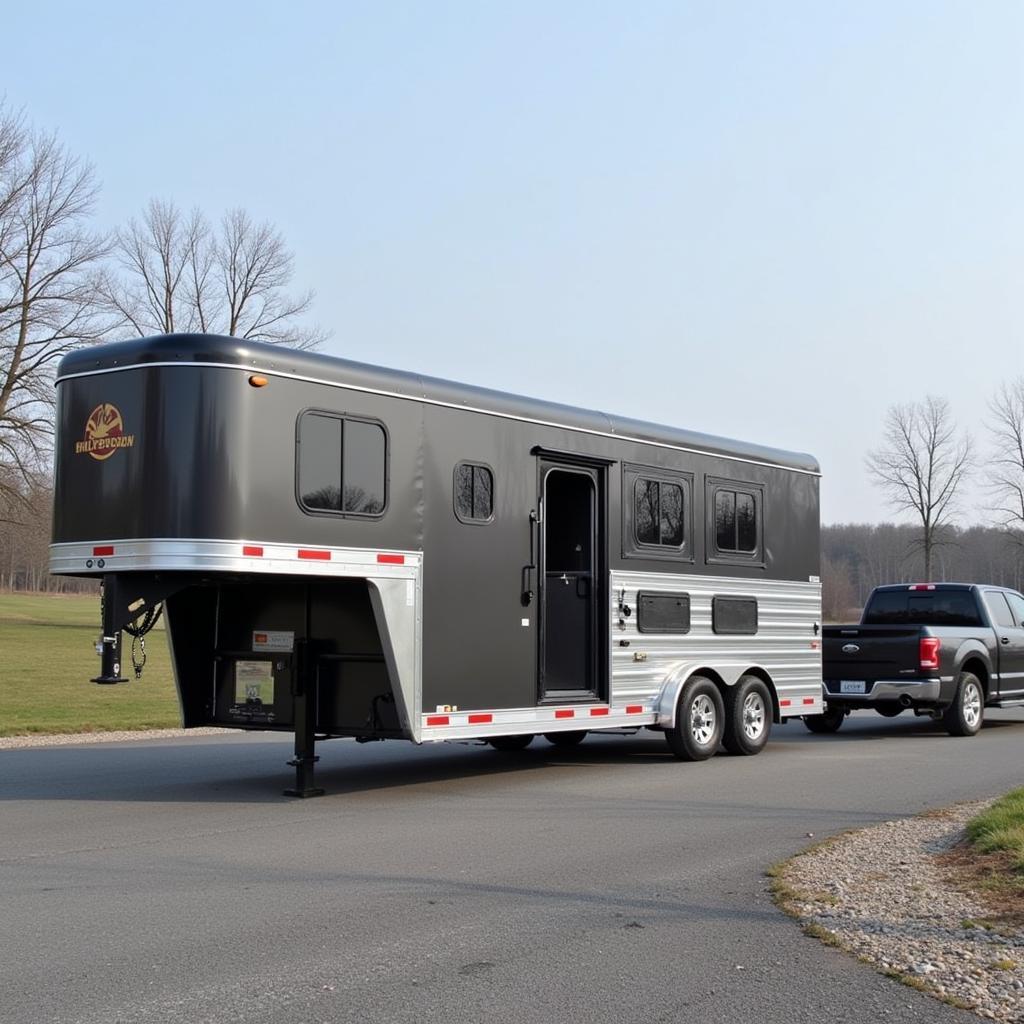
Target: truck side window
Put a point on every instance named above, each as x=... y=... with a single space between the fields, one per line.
x=342 y=465
x=1017 y=608
x=999 y=609
x=474 y=493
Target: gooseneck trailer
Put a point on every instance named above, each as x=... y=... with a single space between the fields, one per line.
x=344 y=550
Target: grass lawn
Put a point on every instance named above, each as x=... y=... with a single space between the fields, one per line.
x=47 y=657
x=1000 y=829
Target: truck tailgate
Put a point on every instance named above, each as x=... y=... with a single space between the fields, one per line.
x=871 y=652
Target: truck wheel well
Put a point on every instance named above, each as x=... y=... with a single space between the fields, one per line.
x=977 y=667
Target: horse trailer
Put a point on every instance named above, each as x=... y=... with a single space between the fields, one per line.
x=345 y=550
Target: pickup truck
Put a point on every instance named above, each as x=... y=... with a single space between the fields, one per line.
x=947 y=650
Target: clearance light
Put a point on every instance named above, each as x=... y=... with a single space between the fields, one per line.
x=256 y=381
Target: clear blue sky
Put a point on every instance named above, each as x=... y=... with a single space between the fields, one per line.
x=763 y=220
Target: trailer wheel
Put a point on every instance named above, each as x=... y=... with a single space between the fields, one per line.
x=964 y=716
x=511 y=742
x=566 y=739
x=700 y=719
x=748 y=716
x=829 y=721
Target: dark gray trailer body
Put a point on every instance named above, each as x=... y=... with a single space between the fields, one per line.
x=476 y=565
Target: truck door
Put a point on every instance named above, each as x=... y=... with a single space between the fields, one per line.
x=571 y=578
x=1007 y=613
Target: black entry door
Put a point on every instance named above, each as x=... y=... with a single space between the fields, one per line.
x=570 y=582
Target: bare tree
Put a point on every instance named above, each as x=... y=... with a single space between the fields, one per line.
x=1006 y=467
x=48 y=296
x=178 y=274
x=922 y=466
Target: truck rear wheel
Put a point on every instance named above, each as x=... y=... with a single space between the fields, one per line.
x=748 y=716
x=964 y=716
x=566 y=739
x=511 y=742
x=829 y=721
x=700 y=719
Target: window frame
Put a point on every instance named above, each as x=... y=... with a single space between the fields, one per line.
x=728 y=556
x=632 y=547
x=469 y=520
x=343 y=416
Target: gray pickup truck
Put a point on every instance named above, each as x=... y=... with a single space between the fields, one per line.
x=947 y=650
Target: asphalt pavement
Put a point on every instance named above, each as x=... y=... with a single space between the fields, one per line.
x=169 y=880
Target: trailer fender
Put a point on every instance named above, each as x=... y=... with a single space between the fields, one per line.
x=723 y=674
x=398 y=625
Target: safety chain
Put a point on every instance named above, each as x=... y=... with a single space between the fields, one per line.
x=138 y=633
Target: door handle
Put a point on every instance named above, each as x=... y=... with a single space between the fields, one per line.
x=1004 y=640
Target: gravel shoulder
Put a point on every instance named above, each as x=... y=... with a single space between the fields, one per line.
x=78 y=738
x=884 y=894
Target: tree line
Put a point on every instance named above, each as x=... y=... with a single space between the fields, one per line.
x=65 y=283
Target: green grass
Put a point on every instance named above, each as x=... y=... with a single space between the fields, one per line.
x=47 y=657
x=1000 y=829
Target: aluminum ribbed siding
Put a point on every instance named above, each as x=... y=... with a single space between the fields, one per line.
x=785 y=644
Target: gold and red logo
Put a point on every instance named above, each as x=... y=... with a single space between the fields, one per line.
x=104 y=433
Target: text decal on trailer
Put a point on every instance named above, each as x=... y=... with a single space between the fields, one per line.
x=104 y=433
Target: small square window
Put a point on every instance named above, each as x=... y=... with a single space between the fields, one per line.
x=658 y=512
x=735 y=517
x=474 y=493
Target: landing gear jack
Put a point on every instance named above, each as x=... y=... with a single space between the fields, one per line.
x=305 y=732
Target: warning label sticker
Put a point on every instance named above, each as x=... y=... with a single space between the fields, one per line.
x=273 y=640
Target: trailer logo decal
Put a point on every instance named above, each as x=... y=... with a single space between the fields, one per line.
x=104 y=433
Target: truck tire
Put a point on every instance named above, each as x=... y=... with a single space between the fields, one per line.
x=964 y=716
x=829 y=721
x=511 y=742
x=566 y=739
x=700 y=719
x=748 y=716
x=889 y=710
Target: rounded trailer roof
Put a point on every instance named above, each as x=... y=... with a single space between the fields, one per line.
x=212 y=349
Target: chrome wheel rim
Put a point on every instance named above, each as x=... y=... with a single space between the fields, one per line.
x=971 y=705
x=753 y=716
x=702 y=719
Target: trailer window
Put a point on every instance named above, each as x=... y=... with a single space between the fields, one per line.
x=474 y=493
x=342 y=465
x=734 y=521
x=657 y=513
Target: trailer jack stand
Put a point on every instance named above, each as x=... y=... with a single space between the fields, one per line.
x=305 y=742
x=303 y=787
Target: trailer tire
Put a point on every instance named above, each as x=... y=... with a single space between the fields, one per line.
x=566 y=739
x=829 y=721
x=700 y=720
x=511 y=742
x=748 y=716
x=964 y=716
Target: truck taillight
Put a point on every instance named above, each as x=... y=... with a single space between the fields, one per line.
x=930 y=652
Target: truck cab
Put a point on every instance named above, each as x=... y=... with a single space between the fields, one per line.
x=945 y=650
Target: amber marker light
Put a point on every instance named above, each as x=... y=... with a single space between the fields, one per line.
x=257 y=381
